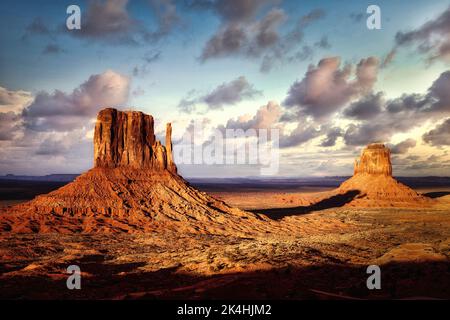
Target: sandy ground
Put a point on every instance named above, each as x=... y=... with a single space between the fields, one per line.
x=326 y=258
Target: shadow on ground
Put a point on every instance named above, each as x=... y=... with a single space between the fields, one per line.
x=437 y=194
x=333 y=281
x=332 y=202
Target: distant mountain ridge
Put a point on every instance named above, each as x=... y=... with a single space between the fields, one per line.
x=327 y=181
x=64 y=177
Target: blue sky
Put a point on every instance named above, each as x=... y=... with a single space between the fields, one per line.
x=39 y=56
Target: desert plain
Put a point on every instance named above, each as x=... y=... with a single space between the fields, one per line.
x=138 y=230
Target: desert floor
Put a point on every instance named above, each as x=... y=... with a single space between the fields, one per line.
x=326 y=259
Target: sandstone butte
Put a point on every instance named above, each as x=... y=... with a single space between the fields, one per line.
x=372 y=183
x=133 y=187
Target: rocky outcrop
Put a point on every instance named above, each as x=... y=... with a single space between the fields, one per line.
x=127 y=139
x=134 y=187
x=170 y=163
x=375 y=159
x=373 y=185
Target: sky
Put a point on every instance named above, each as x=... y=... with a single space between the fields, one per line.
x=312 y=70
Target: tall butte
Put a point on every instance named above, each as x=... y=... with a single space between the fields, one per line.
x=133 y=187
x=373 y=184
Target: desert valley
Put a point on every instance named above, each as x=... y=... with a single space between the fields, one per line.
x=138 y=230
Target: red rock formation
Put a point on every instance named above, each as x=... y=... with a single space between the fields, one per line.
x=375 y=159
x=373 y=184
x=127 y=139
x=133 y=187
x=170 y=163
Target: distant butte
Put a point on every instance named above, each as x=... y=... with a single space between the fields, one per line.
x=373 y=184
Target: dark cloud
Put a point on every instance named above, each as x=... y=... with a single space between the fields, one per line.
x=400 y=114
x=439 y=136
x=232 y=10
x=365 y=108
x=287 y=50
x=436 y=101
x=251 y=29
x=229 y=39
x=228 y=93
x=431 y=39
x=51 y=147
x=106 y=18
x=363 y=134
x=327 y=87
x=301 y=134
x=332 y=135
x=247 y=39
x=110 y=22
x=403 y=147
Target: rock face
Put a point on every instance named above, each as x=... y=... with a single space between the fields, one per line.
x=372 y=183
x=127 y=139
x=134 y=187
x=375 y=159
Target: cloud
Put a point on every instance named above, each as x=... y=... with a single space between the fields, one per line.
x=232 y=10
x=110 y=22
x=439 y=136
x=287 y=50
x=403 y=147
x=332 y=135
x=389 y=58
x=363 y=134
x=431 y=39
x=301 y=134
x=397 y=115
x=14 y=101
x=10 y=125
x=365 y=108
x=265 y=118
x=251 y=29
x=167 y=19
x=51 y=134
x=51 y=147
x=228 y=93
x=107 y=20
x=60 y=111
x=326 y=88
x=245 y=38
